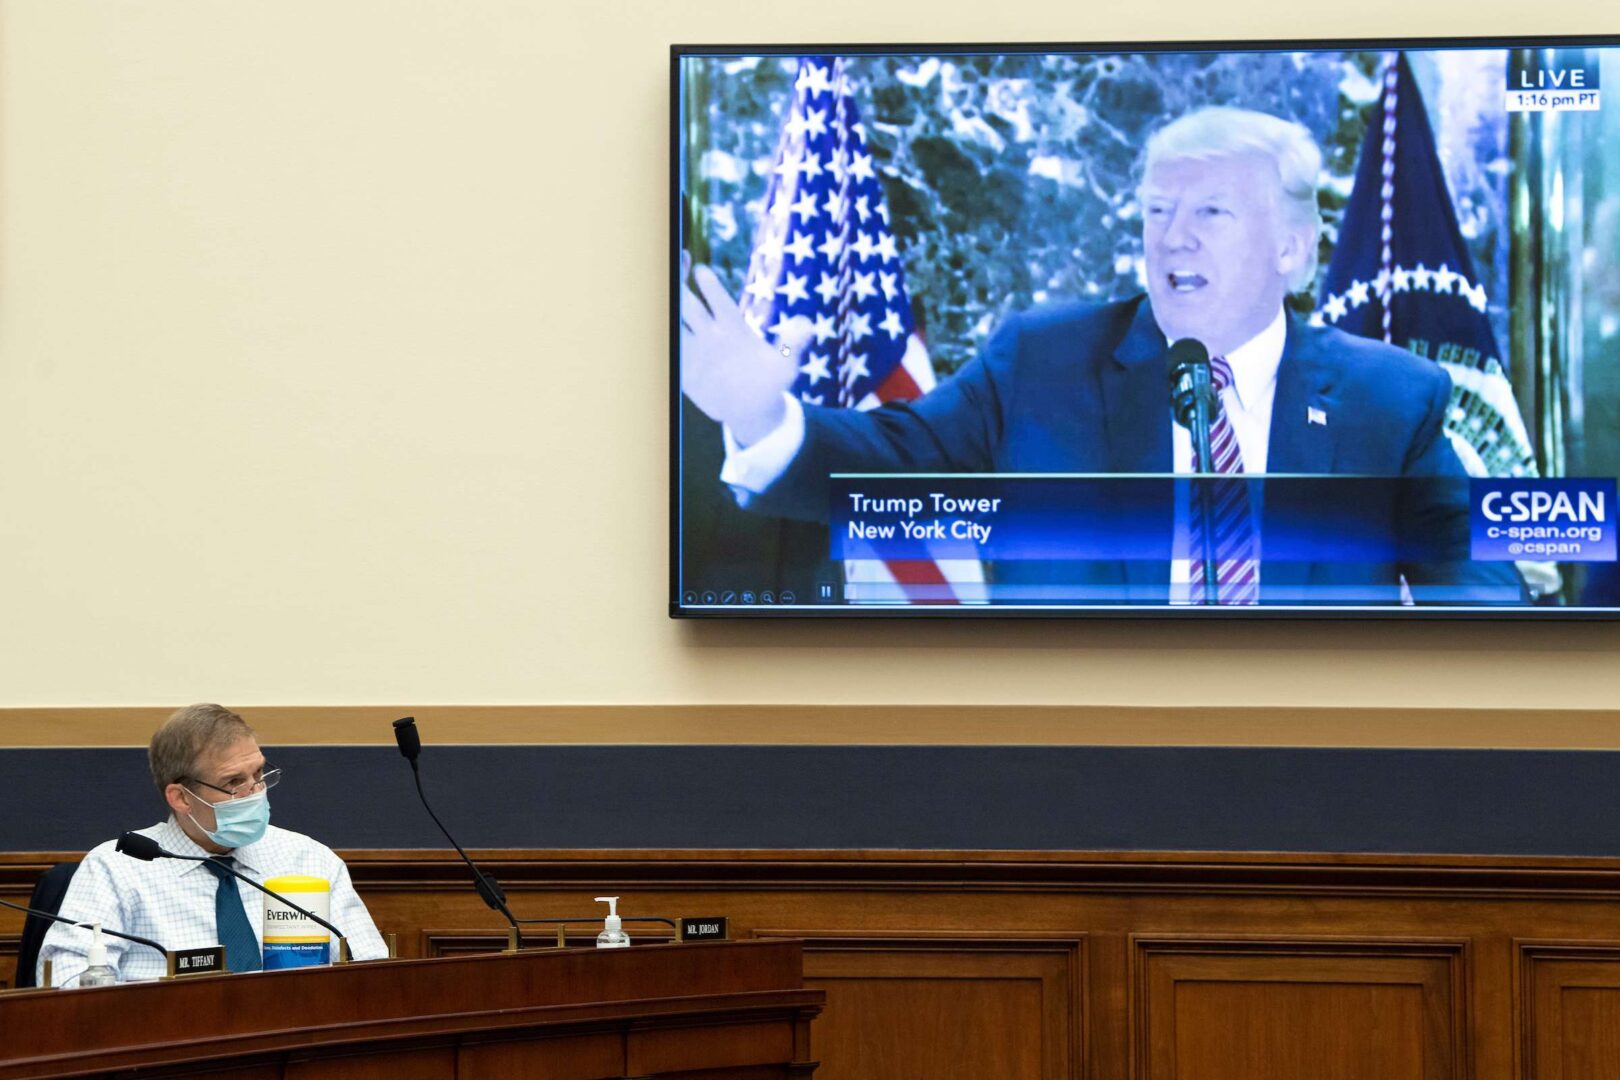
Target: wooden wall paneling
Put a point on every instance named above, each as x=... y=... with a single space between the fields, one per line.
x=1271 y=1009
x=1493 y=1030
x=463 y=942
x=1568 y=1008
x=961 y=930
x=460 y=942
x=18 y=876
x=1005 y=1004
x=9 y=946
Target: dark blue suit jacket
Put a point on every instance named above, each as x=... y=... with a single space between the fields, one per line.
x=1084 y=388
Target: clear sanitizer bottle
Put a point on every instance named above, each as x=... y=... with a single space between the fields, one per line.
x=99 y=973
x=612 y=935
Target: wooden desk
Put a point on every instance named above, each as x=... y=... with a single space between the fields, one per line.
x=733 y=1010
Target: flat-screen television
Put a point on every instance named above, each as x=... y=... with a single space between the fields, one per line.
x=1200 y=330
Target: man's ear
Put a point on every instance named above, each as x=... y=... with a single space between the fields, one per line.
x=175 y=796
x=1293 y=250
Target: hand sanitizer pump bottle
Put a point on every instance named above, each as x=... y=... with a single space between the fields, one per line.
x=99 y=973
x=612 y=935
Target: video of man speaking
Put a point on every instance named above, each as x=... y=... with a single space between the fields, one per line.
x=1191 y=331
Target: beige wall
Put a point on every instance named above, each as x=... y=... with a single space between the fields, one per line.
x=333 y=371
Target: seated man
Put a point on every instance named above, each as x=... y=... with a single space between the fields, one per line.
x=208 y=768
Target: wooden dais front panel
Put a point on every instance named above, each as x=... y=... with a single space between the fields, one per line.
x=723 y=1009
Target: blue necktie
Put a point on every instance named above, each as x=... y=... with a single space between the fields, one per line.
x=230 y=917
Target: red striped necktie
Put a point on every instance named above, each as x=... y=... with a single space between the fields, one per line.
x=1231 y=518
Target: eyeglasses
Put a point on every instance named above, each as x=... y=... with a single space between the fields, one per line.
x=269 y=779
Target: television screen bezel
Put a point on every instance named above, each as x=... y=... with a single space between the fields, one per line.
x=1396 y=613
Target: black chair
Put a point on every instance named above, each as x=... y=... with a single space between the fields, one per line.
x=48 y=894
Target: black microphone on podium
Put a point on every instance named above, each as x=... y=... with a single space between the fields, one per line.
x=148 y=942
x=1193 y=402
x=144 y=848
x=1192 y=393
x=410 y=745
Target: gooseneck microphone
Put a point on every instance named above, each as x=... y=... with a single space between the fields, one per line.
x=1193 y=402
x=148 y=942
x=144 y=848
x=410 y=745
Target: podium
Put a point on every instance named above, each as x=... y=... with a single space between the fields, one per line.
x=734 y=1010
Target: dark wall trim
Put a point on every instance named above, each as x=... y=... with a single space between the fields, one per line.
x=1509 y=802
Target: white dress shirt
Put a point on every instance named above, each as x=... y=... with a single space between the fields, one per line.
x=171 y=901
x=750 y=470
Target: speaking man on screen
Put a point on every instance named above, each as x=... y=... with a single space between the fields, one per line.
x=1230 y=228
x=208 y=768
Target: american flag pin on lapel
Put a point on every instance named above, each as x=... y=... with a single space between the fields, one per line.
x=1313 y=415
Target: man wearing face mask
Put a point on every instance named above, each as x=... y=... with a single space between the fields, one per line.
x=210 y=772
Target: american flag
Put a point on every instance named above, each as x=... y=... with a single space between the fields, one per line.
x=824 y=253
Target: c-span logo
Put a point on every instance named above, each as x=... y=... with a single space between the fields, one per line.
x=1552 y=80
x=1542 y=520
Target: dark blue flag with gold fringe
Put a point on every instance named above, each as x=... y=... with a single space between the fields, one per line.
x=1402 y=273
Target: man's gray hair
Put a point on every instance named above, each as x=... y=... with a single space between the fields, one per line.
x=176 y=746
x=1220 y=131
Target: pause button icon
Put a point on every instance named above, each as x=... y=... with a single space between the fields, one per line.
x=826 y=590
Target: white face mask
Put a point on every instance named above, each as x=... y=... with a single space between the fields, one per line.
x=237 y=822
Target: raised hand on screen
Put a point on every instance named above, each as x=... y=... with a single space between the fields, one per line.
x=729 y=371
